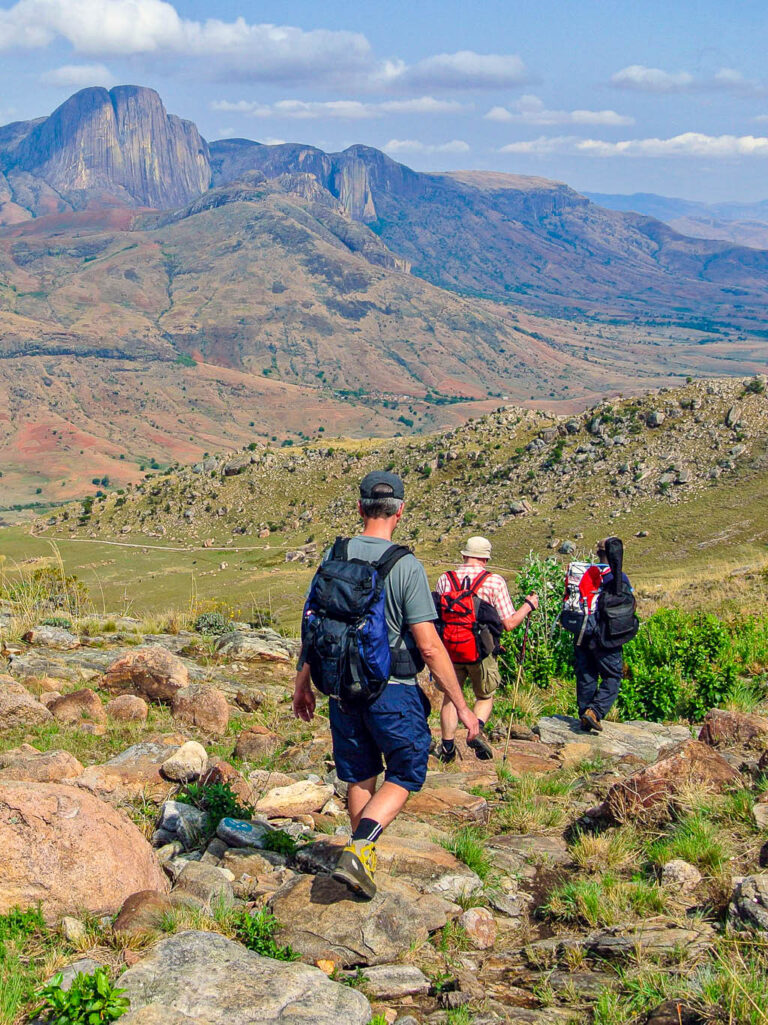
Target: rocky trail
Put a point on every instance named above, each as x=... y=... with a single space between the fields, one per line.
x=176 y=825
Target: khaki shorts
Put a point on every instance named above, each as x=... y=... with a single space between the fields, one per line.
x=484 y=676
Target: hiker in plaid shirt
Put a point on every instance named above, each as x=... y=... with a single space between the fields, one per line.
x=484 y=675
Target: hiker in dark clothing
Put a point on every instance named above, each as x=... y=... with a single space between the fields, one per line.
x=598 y=659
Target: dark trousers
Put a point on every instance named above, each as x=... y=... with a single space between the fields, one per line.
x=598 y=676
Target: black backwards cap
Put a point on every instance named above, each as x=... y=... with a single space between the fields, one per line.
x=382 y=484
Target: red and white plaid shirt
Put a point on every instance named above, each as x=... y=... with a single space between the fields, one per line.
x=493 y=589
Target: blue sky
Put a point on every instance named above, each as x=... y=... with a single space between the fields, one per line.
x=607 y=95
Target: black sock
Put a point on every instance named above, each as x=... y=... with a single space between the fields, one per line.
x=482 y=724
x=449 y=745
x=368 y=829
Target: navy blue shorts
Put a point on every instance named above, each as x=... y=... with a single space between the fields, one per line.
x=392 y=732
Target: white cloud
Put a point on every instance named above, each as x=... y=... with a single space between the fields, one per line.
x=79 y=76
x=654 y=80
x=463 y=70
x=348 y=110
x=689 y=144
x=415 y=146
x=531 y=110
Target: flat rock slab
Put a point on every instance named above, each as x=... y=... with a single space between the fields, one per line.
x=638 y=739
x=395 y=981
x=26 y=763
x=450 y=801
x=214 y=981
x=321 y=920
x=514 y=853
x=134 y=772
x=657 y=937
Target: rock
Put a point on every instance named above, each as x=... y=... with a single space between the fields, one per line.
x=732 y=417
x=567 y=548
x=652 y=788
x=26 y=763
x=236 y=466
x=83 y=966
x=658 y=938
x=203 y=706
x=518 y=854
x=18 y=708
x=128 y=708
x=680 y=876
x=256 y=743
x=142 y=913
x=216 y=981
x=181 y=823
x=157 y=1014
x=297 y=799
x=395 y=981
x=51 y=637
x=644 y=740
x=261 y=646
x=73 y=930
x=78 y=707
x=134 y=772
x=239 y=833
x=186 y=764
x=70 y=851
x=723 y=728
x=480 y=926
x=655 y=418
x=152 y=673
x=448 y=801
x=749 y=904
x=206 y=883
x=759 y=810
x=674 y=1012
x=320 y=920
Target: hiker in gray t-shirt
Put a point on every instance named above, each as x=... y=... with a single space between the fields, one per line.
x=391 y=733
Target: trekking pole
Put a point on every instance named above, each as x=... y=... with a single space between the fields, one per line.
x=517 y=684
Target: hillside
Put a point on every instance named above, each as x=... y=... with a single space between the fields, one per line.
x=685 y=470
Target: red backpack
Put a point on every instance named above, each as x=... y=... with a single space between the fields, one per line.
x=470 y=627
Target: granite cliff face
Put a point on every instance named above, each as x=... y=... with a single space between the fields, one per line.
x=102 y=148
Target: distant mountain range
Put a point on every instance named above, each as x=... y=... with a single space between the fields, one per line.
x=160 y=296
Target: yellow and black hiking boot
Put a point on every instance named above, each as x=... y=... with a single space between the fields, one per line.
x=356 y=866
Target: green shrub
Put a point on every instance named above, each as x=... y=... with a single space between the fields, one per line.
x=62 y=622
x=90 y=1000
x=280 y=842
x=217 y=800
x=256 y=931
x=212 y=623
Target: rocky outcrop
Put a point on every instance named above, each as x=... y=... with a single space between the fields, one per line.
x=152 y=673
x=644 y=740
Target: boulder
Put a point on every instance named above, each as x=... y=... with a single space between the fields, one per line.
x=78 y=707
x=680 y=876
x=18 y=708
x=674 y=1012
x=186 y=764
x=723 y=728
x=260 y=646
x=142 y=913
x=180 y=823
x=480 y=926
x=134 y=772
x=70 y=851
x=51 y=637
x=158 y=1014
x=152 y=673
x=128 y=708
x=27 y=763
x=202 y=706
x=215 y=981
x=749 y=904
x=206 y=883
x=449 y=801
x=241 y=833
x=395 y=981
x=256 y=743
x=644 y=740
x=321 y=920
x=653 y=788
x=297 y=799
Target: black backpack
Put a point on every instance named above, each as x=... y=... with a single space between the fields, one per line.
x=616 y=621
x=345 y=640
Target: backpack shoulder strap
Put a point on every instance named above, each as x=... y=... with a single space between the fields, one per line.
x=340 y=549
x=477 y=583
x=389 y=560
x=454 y=580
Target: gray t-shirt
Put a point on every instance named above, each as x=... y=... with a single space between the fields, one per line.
x=407 y=595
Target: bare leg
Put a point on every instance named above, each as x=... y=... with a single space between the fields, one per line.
x=483 y=708
x=449 y=720
x=382 y=805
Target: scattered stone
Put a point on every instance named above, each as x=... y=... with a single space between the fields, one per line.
x=320 y=920
x=134 y=772
x=674 y=1012
x=644 y=740
x=653 y=788
x=480 y=925
x=151 y=673
x=255 y=743
x=70 y=851
x=83 y=966
x=240 y=833
x=723 y=728
x=128 y=708
x=73 y=930
x=78 y=707
x=567 y=548
x=203 y=706
x=395 y=981
x=27 y=763
x=215 y=981
x=180 y=823
x=186 y=764
x=680 y=876
x=51 y=637
x=259 y=646
x=655 y=418
x=297 y=799
x=207 y=883
x=18 y=708
x=749 y=904
x=142 y=913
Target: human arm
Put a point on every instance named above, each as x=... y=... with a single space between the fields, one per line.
x=438 y=660
x=529 y=605
x=303 y=695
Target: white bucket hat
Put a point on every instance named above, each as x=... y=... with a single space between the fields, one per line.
x=477 y=548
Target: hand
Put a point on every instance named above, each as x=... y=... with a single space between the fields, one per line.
x=303 y=701
x=533 y=601
x=470 y=720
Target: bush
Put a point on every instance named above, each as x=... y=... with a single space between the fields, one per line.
x=211 y=623
x=217 y=800
x=256 y=931
x=280 y=842
x=47 y=587
x=90 y=1000
x=62 y=622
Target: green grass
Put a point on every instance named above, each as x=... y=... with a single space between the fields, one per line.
x=603 y=901
x=25 y=941
x=467 y=844
x=695 y=839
